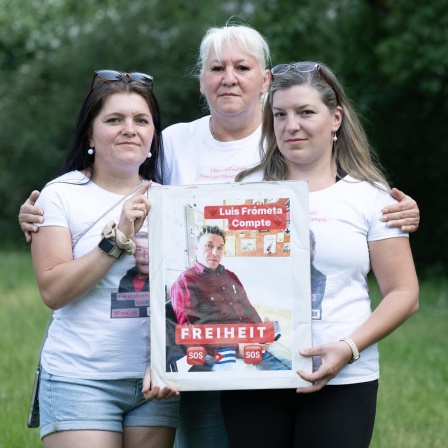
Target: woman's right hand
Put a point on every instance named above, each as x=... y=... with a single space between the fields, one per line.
x=335 y=355
x=29 y=214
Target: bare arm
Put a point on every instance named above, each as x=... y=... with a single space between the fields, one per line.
x=394 y=270
x=29 y=214
x=404 y=214
x=61 y=278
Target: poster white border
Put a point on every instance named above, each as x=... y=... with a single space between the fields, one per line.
x=167 y=234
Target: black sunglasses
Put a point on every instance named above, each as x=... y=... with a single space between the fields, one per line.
x=113 y=75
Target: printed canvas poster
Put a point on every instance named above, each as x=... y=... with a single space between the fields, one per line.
x=229 y=285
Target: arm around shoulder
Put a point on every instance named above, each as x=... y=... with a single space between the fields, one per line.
x=404 y=214
x=29 y=214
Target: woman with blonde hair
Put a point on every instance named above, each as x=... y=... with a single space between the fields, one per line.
x=313 y=133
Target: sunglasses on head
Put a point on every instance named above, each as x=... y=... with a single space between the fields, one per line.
x=301 y=67
x=113 y=75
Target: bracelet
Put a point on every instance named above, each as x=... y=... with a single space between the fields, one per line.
x=123 y=243
x=111 y=232
x=354 y=349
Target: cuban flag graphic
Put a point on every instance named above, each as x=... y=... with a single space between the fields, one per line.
x=224 y=355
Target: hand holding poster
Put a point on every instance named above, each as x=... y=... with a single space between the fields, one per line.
x=230 y=285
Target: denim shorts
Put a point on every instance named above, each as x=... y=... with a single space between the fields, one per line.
x=107 y=405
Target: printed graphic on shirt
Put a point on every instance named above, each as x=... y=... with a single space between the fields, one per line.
x=208 y=173
x=317 y=218
x=318 y=282
x=132 y=298
x=129 y=304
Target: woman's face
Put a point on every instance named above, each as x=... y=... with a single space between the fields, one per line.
x=304 y=126
x=234 y=84
x=122 y=132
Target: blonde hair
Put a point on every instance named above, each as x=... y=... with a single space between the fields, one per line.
x=352 y=152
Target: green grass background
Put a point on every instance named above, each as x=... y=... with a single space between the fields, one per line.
x=413 y=395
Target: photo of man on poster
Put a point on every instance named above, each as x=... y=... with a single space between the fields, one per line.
x=318 y=282
x=208 y=293
x=132 y=297
x=137 y=278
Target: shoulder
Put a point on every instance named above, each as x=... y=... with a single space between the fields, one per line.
x=181 y=129
x=62 y=186
x=132 y=272
x=230 y=273
x=363 y=187
x=256 y=176
x=71 y=178
x=369 y=200
x=187 y=275
x=364 y=197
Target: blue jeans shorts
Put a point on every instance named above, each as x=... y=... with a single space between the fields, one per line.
x=70 y=404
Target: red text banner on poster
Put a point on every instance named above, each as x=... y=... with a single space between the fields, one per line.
x=262 y=333
x=249 y=217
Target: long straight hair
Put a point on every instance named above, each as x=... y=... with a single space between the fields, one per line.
x=352 y=153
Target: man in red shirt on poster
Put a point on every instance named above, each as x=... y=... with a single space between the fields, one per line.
x=137 y=278
x=207 y=292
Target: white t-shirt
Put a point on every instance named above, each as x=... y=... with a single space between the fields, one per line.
x=193 y=156
x=102 y=334
x=344 y=218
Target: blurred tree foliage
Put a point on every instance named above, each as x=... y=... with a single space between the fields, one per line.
x=392 y=56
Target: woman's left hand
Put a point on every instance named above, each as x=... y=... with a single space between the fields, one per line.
x=156 y=393
x=335 y=355
x=404 y=214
